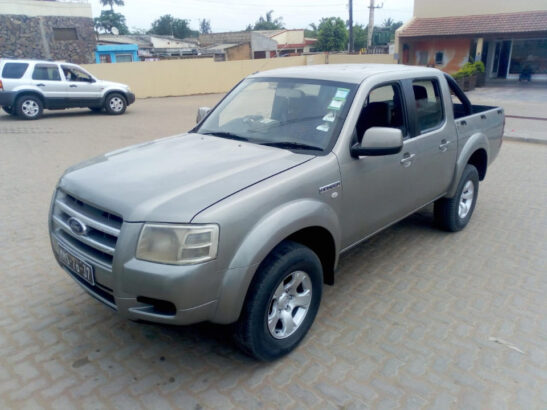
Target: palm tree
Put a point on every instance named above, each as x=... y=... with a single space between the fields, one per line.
x=111 y=3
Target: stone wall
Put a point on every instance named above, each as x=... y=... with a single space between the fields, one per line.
x=32 y=37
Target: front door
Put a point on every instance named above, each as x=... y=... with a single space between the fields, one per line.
x=47 y=78
x=376 y=189
x=82 y=88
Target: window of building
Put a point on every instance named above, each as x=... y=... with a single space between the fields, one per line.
x=439 y=56
x=14 y=70
x=65 y=34
x=46 y=73
x=529 y=56
x=429 y=107
x=423 y=57
x=124 y=58
x=105 y=58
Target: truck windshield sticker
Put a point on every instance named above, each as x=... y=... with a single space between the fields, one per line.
x=323 y=127
x=330 y=117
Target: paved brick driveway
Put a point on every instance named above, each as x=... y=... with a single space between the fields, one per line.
x=418 y=318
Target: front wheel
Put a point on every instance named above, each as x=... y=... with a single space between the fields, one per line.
x=115 y=104
x=453 y=214
x=281 y=303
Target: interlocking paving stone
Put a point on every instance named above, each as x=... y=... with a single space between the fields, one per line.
x=409 y=323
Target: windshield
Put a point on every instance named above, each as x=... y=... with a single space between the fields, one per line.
x=288 y=113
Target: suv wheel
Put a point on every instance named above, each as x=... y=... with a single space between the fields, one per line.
x=115 y=104
x=453 y=214
x=281 y=303
x=29 y=107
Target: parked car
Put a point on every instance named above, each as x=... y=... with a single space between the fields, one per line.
x=27 y=87
x=243 y=219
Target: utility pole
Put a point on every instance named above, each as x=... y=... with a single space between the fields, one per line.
x=371 y=22
x=351 y=26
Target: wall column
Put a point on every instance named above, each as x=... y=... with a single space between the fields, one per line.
x=478 y=51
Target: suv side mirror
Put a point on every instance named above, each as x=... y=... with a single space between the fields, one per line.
x=202 y=113
x=379 y=141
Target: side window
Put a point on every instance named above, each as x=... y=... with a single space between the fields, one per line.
x=429 y=107
x=14 y=70
x=383 y=108
x=46 y=73
x=74 y=74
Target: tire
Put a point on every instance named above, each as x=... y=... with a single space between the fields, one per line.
x=281 y=303
x=115 y=104
x=8 y=109
x=453 y=214
x=29 y=107
x=96 y=109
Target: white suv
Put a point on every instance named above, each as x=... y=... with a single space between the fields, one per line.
x=27 y=87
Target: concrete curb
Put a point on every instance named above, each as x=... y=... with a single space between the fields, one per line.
x=525 y=139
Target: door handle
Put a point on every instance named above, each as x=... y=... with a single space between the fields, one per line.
x=40 y=85
x=73 y=86
x=407 y=160
x=444 y=145
x=463 y=123
x=483 y=117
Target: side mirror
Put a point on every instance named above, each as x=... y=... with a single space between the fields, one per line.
x=379 y=141
x=202 y=113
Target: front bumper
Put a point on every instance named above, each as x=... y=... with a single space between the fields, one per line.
x=7 y=98
x=141 y=290
x=130 y=98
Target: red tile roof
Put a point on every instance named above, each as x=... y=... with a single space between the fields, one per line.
x=526 y=22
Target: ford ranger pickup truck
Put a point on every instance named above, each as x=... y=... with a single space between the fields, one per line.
x=242 y=219
x=27 y=87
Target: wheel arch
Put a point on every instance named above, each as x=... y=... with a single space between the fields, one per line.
x=114 y=91
x=33 y=93
x=474 y=152
x=308 y=222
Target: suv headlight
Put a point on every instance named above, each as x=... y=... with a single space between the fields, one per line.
x=178 y=244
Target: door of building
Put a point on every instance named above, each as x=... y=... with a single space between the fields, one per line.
x=502 y=56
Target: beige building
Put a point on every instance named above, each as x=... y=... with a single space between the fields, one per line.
x=510 y=37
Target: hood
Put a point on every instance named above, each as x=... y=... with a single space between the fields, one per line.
x=173 y=179
x=111 y=84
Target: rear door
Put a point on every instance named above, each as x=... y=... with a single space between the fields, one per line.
x=47 y=78
x=434 y=145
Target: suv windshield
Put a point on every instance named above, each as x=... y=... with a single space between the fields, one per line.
x=288 y=113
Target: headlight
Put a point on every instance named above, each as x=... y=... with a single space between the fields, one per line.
x=178 y=244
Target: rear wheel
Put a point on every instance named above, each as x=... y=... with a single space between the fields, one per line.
x=115 y=104
x=29 y=107
x=453 y=214
x=281 y=303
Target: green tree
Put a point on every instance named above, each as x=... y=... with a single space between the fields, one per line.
x=332 y=34
x=311 y=32
x=269 y=23
x=112 y=3
x=167 y=25
x=205 y=26
x=392 y=26
x=108 y=20
x=359 y=37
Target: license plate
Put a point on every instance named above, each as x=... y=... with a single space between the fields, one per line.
x=76 y=265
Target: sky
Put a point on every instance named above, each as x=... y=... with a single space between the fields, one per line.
x=233 y=15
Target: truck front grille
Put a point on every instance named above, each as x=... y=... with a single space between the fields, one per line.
x=98 y=242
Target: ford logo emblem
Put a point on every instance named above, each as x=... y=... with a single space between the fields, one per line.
x=76 y=226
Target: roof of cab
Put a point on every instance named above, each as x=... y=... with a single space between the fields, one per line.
x=349 y=73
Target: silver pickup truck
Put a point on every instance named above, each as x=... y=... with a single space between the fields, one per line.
x=242 y=220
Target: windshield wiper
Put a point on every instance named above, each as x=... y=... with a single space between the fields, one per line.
x=225 y=134
x=292 y=144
